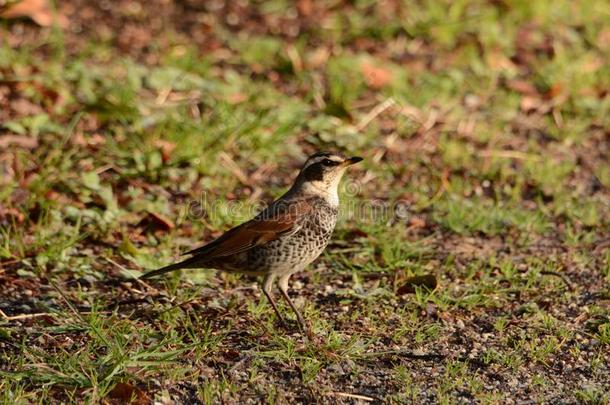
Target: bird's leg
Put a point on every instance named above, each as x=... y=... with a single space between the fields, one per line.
x=283 y=284
x=267 y=289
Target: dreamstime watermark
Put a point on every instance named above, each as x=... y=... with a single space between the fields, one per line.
x=352 y=208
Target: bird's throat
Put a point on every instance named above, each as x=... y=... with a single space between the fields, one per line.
x=327 y=191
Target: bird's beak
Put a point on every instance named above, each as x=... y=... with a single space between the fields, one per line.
x=352 y=161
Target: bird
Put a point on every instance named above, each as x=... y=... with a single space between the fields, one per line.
x=282 y=239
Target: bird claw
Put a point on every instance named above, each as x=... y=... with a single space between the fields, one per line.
x=290 y=325
x=298 y=325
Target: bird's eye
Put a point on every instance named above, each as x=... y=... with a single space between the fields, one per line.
x=328 y=162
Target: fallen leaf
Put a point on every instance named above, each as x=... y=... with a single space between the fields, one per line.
x=603 y=38
x=305 y=7
x=317 y=58
x=427 y=280
x=523 y=87
x=160 y=221
x=166 y=148
x=151 y=222
x=530 y=103
x=9 y=215
x=237 y=98
x=356 y=233
x=38 y=11
x=88 y=140
x=24 y=107
x=601 y=245
x=498 y=61
x=376 y=77
x=417 y=222
x=125 y=393
x=21 y=141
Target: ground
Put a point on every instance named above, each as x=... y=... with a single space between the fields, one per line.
x=139 y=130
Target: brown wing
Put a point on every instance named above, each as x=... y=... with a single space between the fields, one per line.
x=277 y=220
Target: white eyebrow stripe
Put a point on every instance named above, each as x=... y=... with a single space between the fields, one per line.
x=318 y=159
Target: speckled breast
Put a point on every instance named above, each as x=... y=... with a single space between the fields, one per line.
x=295 y=251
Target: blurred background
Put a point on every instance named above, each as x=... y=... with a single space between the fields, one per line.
x=487 y=121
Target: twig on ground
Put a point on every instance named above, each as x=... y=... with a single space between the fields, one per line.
x=348 y=395
x=509 y=154
x=23 y=316
x=374 y=113
x=234 y=168
x=140 y=281
x=563 y=277
x=601 y=245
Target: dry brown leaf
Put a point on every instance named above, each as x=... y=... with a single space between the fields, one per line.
x=88 y=140
x=530 y=103
x=153 y=222
x=417 y=222
x=37 y=10
x=356 y=233
x=408 y=287
x=523 y=87
x=592 y=63
x=603 y=38
x=555 y=91
x=497 y=61
x=11 y=214
x=305 y=7
x=21 y=141
x=162 y=221
x=237 y=98
x=166 y=148
x=376 y=77
x=317 y=58
x=125 y=393
x=23 y=106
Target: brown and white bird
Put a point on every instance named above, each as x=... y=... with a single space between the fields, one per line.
x=285 y=237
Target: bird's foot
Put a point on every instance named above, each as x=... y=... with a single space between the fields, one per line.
x=290 y=325
x=300 y=326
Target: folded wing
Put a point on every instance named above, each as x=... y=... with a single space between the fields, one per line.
x=277 y=220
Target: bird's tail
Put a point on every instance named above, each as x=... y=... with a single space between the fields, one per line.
x=185 y=264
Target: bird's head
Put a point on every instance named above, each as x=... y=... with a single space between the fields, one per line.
x=321 y=174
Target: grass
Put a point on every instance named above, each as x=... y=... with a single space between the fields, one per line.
x=484 y=128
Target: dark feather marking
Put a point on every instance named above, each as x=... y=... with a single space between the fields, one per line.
x=315 y=172
x=320 y=154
